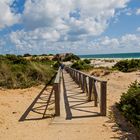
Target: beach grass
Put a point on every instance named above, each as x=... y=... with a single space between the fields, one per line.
x=17 y=72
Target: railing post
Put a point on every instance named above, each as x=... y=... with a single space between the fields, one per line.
x=86 y=88
x=103 y=98
x=90 y=88
x=82 y=82
x=56 y=88
x=57 y=99
x=95 y=93
x=76 y=77
x=79 y=79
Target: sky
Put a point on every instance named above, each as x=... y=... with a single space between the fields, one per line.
x=64 y=26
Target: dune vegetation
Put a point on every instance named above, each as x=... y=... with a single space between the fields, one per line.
x=18 y=72
x=129 y=104
x=82 y=65
x=127 y=65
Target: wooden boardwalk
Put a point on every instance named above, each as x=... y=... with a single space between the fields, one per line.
x=76 y=117
x=79 y=119
x=74 y=102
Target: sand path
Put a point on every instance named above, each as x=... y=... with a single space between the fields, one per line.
x=83 y=122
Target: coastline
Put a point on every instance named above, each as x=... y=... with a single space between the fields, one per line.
x=109 y=58
x=133 y=55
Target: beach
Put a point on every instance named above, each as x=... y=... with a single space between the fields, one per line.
x=14 y=103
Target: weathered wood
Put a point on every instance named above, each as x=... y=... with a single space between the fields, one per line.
x=103 y=98
x=82 y=80
x=57 y=99
x=77 y=78
x=90 y=88
x=83 y=84
x=95 y=94
x=57 y=79
x=56 y=87
x=80 y=83
x=88 y=85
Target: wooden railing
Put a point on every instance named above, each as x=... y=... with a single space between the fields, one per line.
x=56 y=88
x=95 y=88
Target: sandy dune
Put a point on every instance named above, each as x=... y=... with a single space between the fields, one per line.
x=13 y=104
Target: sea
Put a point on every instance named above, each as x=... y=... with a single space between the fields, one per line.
x=113 y=55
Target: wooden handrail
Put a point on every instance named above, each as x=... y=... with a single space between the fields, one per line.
x=90 y=87
x=57 y=78
x=95 y=78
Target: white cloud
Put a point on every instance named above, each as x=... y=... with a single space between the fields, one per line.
x=7 y=17
x=129 y=38
x=91 y=16
x=138 y=12
x=126 y=43
x=138 y=29
x=39 y=42
x=113 y=42
x=130 y=43
x=64 y=25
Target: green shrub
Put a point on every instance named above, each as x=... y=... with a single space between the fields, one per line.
x=27 y=55
x=71 y=57
x=87 y=61
x=38 y=59
x=56 y=65
x=129 y=104
x=81 y=65
x=127 y=65
x=15 y=59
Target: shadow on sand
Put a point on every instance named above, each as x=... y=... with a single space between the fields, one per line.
x=124 y=128
x=76 y=101
x=43 y=105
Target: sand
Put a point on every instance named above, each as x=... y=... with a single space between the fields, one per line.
x=13 y=104
x=104 y=62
